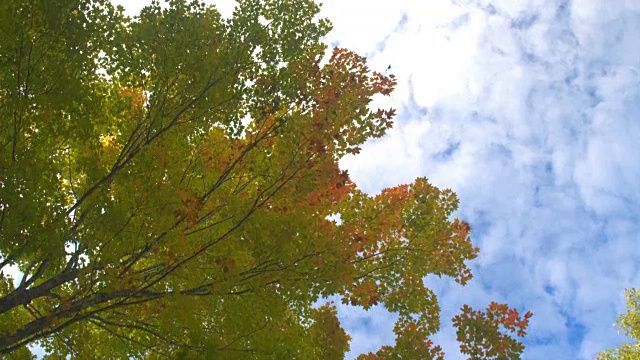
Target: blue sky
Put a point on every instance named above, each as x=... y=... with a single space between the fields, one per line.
x=530 y=111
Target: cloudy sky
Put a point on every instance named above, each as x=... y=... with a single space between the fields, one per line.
x=530 y=111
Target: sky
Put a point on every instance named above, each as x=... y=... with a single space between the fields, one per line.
x=530 y=111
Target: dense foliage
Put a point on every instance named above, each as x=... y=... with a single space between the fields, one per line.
x=168 y=186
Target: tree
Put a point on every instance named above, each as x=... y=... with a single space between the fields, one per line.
x=630 y=324
x=168 y=184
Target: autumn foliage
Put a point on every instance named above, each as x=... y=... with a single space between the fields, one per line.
x=170 y=186
x=480 y=336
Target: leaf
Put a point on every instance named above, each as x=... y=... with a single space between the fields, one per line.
x=629 y=324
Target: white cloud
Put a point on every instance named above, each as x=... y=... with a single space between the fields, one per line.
x=368 y=329
x=362 y=23
x=530 y=112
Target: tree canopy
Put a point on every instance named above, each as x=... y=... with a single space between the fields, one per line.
x=629 y=323
x=170 y=188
